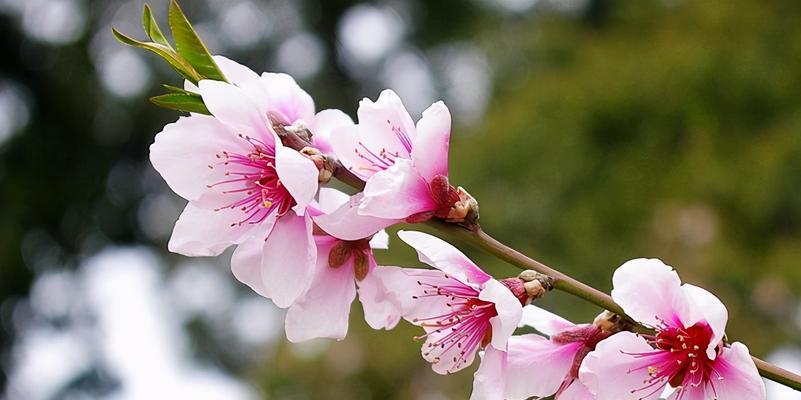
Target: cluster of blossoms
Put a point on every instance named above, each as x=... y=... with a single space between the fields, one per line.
x=254 y=175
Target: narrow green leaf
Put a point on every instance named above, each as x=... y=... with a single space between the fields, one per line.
x=176 y=89
x=178 y=63
x=189 y=45
x=152 y=29
x=181 y=102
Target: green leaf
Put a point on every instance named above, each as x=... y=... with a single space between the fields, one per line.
x=152 y=29
x=181 y=102
x=176 y=89
x=180 y=65
x=189 y=45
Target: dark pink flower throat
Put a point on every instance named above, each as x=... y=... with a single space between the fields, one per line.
x=252 y=182
x=679 y=358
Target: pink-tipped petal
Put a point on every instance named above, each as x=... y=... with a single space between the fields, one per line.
x=382 y=309
x=347 y=224
x=298 y=174
x=537 y=366
x=202 y=232
x=323 y=311
x=740 y=377
x=289 y=258
x=444 y=257
x=430 y=150
x=707 y=307
x=611 y=374
x=285 y=97
x=184 y=150
x=324 y=123
x=650 y=292
x=396 y=193
x=509 y=312
x=490 y=378
x=232 y=106
x=544 y=321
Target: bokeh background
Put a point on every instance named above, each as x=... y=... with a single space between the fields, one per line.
x=591 y=131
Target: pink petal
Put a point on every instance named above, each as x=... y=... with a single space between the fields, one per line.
x=707 y=307
x=191 y=87
x=403 y=284
x=490 y=378
x=324 y=123
x=183 y=151
x=446 y=360
x=250 y=82
x=396 y=193
x=202 y=232
x=236 y=73
x=544 y=321
x=289 y=258
x=443 y=256
x=741 y=379
x=347 y=224
x=576 y=391
x=384 y=133
x=382 y=309
x=537 y=366
x=364 y=149
x=430 y=151
x=232 y=106
x=246 y=260
x=690 y=393
x=324 y=310
x=612 y=375
x=509 y=312
x=287 y=98
x=298 y=174
x=649 y=291
x=329 y=199
x=388 y=116
x=380 y=240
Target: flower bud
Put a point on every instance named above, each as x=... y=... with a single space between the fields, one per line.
x=610 y=322
x=536 y=284
x=323 y=163
x=516 y=286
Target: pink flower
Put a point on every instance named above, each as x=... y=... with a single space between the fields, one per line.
x=243 y=186
x=343 y=269
x=405 y=167
x=460 y=307
x=687 y=352
x=534 y=366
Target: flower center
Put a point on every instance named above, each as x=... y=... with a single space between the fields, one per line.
x=679 y=358
x=252 y=182
x=464 y=326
